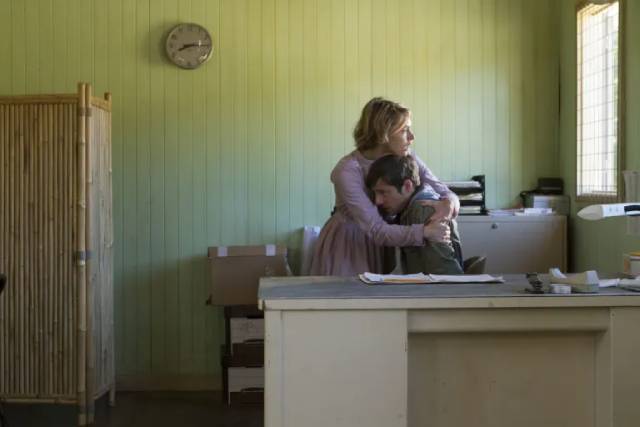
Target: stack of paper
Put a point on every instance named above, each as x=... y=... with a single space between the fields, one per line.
x=463 y=184
x=465 y=210
x=420 y=278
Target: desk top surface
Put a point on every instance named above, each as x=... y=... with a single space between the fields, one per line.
x=325 y=292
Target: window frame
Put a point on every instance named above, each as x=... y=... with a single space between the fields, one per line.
x=619 y=196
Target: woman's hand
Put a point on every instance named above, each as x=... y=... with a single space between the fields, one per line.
x=445 y=209
x=437 y=231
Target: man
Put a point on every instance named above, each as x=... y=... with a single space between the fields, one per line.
x=400 y=196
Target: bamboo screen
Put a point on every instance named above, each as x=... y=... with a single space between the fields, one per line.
x=56 y=315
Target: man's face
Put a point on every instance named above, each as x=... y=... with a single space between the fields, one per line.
x=388 y=199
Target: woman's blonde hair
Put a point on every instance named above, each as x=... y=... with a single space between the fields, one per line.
x=379 y=118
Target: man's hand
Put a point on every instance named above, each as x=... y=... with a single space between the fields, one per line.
x=437 y=231
x=445 y=209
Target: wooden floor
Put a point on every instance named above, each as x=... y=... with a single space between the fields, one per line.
x=142 y=409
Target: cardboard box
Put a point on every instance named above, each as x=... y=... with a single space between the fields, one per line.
x=236 y=271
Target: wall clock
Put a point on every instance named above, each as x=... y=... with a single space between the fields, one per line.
x=189 y=45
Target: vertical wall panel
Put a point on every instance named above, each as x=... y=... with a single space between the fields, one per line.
x=17 y=23
x=283 y=121
x=529 y=128
x=198 y=287
x=461 y=71
x=489 y=100
x=186 y=142
x=171 y=204
x=142 y=190
x=476 y=136
x=514 y=16
x=254 y=125
x=6 y=42
x=297 y=144
x=214 y=180
x=158 y=316
x=59 y=47
x=240 y=150
x=310 y=118
x=431 y=136
x=45 y=42
x=505 y=80
x=266 y=188
x=127 y=192
x=32 y=46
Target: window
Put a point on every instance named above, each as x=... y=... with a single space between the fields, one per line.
x=598 y=151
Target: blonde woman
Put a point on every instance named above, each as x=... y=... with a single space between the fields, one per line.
x=351 y=241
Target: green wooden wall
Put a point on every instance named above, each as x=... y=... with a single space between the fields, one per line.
x=240 y=150
x=599 y=245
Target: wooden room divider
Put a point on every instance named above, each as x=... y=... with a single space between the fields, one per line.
x=56 y=240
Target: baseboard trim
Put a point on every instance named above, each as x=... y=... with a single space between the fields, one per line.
x=168 y=383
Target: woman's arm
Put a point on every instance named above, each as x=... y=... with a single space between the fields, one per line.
x=350 y=189
x=449 y=206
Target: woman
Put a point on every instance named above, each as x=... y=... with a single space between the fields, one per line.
x=352 y=239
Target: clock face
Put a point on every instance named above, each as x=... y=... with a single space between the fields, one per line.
x=189 y=45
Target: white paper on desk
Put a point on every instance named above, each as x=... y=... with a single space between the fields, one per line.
x=630 y=282
x=465 y=278
x=608 y=283
x=428 y=278
x=395 y=278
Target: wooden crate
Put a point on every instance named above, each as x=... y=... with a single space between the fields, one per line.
x=56 y=241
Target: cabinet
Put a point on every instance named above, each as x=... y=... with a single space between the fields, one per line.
x=56 y=248
x=516 y=244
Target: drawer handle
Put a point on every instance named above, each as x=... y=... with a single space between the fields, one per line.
x=494 y=226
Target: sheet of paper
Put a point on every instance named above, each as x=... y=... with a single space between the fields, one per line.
x=607 y=283
x=420 y=278
x=465 y=278
x=395 y=278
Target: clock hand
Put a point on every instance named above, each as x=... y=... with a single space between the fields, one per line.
x=188 y=45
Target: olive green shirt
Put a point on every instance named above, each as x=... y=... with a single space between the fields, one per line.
x=433 y=257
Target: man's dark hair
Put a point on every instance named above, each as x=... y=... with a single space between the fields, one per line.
x=393 y=170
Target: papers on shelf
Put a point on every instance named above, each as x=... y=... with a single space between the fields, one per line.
x=420 y=278
x=521 y=212
x=470 y=209
x=535 y=211
x=477 y=197
x=463 y=184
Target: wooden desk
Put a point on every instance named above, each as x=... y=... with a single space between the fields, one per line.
x=342 y=353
